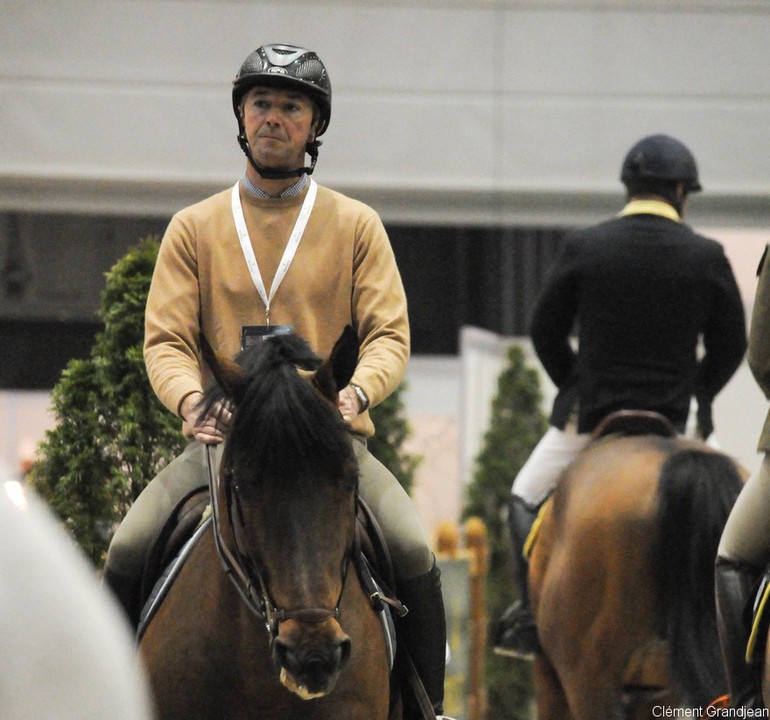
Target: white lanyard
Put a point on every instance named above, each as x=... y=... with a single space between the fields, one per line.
x=288 y=253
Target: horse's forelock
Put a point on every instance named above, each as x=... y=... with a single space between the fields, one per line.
x=282 y=427
x=259 y=360
x=278 y=350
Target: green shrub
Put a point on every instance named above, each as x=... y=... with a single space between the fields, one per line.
x=516 y=426
x=112 y=435
x=392 y=430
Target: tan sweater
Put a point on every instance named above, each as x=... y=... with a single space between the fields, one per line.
x=344 y=272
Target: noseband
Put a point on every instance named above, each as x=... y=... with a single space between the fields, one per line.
x=245 y=572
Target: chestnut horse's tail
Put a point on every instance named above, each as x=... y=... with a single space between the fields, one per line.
x=696 y=491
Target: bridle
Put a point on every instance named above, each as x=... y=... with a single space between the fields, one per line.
x=246 y=574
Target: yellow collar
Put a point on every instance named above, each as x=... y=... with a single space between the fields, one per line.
x=650 y=207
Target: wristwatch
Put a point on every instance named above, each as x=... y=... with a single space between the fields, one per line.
x=361 y=395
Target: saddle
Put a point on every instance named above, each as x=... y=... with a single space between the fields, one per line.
x=634 y=422
x=620 y=422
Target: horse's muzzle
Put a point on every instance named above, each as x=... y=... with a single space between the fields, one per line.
x=310 y=658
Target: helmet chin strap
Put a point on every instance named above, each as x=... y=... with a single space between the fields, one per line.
x=269 y=174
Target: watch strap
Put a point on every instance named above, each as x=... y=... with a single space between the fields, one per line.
x=362 y=399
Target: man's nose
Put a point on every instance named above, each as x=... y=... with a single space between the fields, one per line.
x=273 y=116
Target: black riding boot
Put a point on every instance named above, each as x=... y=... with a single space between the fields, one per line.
x=424 y=636
x=735 y=584
x=127 y=591
x=516 y=634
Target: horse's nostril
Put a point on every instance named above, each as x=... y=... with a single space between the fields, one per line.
x=281 y=651
x=293 y=659
x=344 y=651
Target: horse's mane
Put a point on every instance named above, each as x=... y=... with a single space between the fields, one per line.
x=282 y=426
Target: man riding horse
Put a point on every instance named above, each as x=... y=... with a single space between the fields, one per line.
x=744 y=550
x=278 y=249
x=644 y=290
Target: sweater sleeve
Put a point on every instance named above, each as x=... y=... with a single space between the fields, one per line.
x=172 y=324
x=379 y=312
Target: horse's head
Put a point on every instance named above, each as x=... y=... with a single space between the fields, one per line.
x=287 y=500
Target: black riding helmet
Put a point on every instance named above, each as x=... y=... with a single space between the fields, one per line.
x=660 y=158
x=286 y=66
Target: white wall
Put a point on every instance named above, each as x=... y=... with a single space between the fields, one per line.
x=482 y=111
x=24 y=418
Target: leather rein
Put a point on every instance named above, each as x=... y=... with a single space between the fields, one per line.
x=247 y=575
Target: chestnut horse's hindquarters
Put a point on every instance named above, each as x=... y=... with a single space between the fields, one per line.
x=624 y=562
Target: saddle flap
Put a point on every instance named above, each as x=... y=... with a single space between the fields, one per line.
x=372 y=543
x=178 y=528
x=373 y=562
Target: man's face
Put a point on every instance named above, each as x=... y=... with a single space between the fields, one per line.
x=278 y=124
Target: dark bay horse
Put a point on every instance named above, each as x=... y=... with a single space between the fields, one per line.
x=622 y=577
x=288 y=632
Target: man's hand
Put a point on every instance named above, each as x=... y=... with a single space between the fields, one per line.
x=349 y=404
x=212 y=427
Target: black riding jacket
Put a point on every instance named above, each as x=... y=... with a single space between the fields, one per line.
x=641 y=290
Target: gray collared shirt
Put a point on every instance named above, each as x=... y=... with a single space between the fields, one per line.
x=291 y=191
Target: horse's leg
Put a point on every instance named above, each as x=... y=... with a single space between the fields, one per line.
x=549 y=694
x=589 y=633
x=579 y=674
x=592 y=689
x=597 y=645
x=550 y=690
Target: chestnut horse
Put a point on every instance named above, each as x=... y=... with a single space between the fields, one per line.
x=285 y=630
x=622 y=578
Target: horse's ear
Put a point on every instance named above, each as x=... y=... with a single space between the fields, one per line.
x=335 y=373
x=227 y=373
x=344 y=357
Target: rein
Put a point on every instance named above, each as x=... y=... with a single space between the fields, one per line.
x=247 y=577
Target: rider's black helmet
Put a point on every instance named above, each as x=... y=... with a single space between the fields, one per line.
x=286 y=66
x=660 y=158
